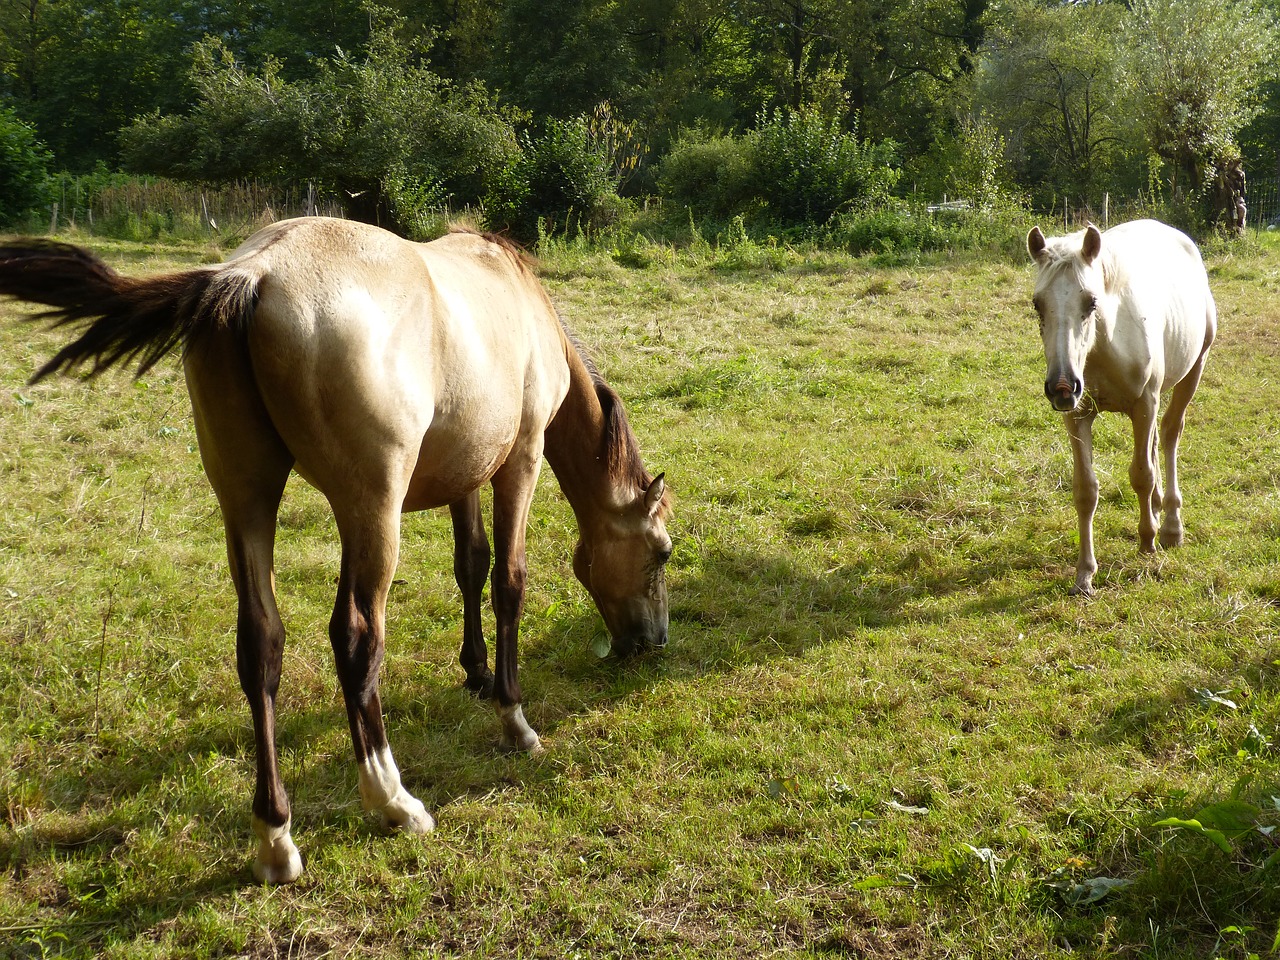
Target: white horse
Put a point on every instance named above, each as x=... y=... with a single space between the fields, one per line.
x=1125 y=317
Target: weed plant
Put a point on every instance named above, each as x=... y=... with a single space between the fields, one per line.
x=882 y=728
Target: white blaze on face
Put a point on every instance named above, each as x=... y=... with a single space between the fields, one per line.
x=381 y=792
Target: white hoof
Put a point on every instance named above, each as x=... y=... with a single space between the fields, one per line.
x=406 y=812
x=516 y=732
x=382 y=792
x=278 y=859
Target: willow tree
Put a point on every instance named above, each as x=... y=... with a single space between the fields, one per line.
x=1195 y=70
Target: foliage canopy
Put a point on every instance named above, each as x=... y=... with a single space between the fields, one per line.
x=405 y=104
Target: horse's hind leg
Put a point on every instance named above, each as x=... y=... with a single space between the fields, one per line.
x=247 y=465
x=1171 y=425
x=1157 y=494
x=370 y=545
x=471 y=569
x=259 y=660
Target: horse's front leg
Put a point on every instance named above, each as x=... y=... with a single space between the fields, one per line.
x=370 y=545
x=1142 y=471
x=471 y=569
x=1084 y=492
x=513 y=488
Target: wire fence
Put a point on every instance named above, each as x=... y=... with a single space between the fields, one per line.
x=148 y=208
x=1263 y=206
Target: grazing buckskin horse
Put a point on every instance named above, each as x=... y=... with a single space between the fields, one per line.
x=392 y=376
x=1125 y=317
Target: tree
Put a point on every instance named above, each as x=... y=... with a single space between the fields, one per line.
x=24 y=169
x=81 y=72
x=559 y=58
x=1195 y=70
x=889 y=63
x=380 y=130
x=695 y=65
x=906 y=60
x=1048 y=82
x=461 y=33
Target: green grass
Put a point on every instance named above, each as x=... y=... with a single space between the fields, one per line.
x=882 y=728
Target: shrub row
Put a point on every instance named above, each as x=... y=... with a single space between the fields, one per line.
x=796 y=169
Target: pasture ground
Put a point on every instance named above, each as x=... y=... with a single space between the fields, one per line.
x=882 y=729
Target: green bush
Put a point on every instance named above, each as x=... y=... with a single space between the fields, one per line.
x=897 y=230
x=562 y=181
x=808 y=168
x=419 y=205
x=24 y=169
x=889 y=229
x=381 y=130
x=797 y=169
x=710 y=174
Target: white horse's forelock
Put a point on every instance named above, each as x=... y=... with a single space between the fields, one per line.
x=1064 y=253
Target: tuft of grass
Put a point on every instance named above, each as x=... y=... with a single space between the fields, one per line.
x=882 y=727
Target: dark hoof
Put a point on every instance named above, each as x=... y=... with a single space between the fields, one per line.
x=481 y=685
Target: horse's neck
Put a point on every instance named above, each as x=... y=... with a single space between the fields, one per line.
x=574 y=442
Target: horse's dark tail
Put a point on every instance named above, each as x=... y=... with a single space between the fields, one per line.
x=124 y=319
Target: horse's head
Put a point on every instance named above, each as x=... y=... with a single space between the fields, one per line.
x=1068 y=294
x=621 y=560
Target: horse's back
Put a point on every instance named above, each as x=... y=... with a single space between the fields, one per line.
x=389 y=363
x=1165 y=287
x=1159 y=249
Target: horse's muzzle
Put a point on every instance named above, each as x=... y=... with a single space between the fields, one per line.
x=1064 y=393
x=640 y=642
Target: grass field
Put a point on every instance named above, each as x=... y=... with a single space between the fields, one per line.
x=882 y=728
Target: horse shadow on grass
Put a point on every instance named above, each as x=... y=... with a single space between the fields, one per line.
x=748 y=609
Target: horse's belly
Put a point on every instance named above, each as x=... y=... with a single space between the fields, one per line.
x=1184 y=343
x=451 y=466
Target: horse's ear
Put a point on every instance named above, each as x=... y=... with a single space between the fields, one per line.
x=1092 y=244
x=1036 y=245
x=653 y=496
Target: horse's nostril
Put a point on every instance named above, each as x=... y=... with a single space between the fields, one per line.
x=1064 y=388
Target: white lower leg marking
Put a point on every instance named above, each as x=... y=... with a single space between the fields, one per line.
x=278 y=859
x=382 y=792
x=516 y=731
